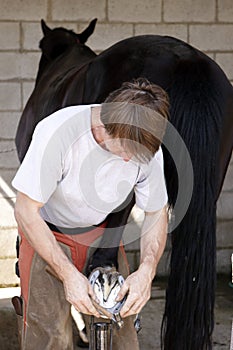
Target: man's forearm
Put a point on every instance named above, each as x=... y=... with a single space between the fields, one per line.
x=138 y=284
x=153 y=240
x=42 y=240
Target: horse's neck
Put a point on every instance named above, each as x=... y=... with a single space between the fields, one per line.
x=72 y=60
x=42 y=67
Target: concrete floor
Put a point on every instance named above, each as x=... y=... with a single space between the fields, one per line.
x=151 y=317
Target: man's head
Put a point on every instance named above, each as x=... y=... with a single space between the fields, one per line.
x=136 y=114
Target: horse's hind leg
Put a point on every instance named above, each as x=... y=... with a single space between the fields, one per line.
x=107 y=252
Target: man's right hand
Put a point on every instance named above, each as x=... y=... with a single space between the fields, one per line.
x=79 y=292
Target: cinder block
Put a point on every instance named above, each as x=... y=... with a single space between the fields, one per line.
x=8 y=243
x=228 y=182
x=225 y=10
x=210 y=54
x=27 y=91
x=179 y=31
x=6 y=177
x=32 y=34
x=225 y=206
x=68 y=25
x=134 y=11
x=81 y=10
x=7 y=274
x=212 y=36
x=7 y=213
x=19 y=10
x=224 y=261
x=8 y=122
x=10 y=65
x=224 y=234
x=106 y=35
x=8 y=156
x=10 y=99
x=29 y=64
x=19 y=66
x=10 y=36
x=225 y=61
x=189 y=11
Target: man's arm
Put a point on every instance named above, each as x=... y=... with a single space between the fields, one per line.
x=138 y=284
x=77 y=288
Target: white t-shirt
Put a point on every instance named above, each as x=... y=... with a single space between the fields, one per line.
x=78 y=181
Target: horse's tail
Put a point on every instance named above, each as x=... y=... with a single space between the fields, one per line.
x=196 y=112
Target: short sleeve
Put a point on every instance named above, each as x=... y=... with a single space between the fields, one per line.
x=150 y=190
x=41 y=169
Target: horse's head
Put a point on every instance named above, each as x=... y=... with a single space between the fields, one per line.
x=58 y=40
x=64 y=53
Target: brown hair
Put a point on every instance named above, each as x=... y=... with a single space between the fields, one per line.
x=137 y=114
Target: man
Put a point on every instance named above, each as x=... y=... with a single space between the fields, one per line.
x=82 y=163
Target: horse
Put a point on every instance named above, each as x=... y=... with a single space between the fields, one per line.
x=201 y=110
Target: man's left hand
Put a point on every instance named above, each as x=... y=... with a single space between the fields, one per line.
x=138 y=287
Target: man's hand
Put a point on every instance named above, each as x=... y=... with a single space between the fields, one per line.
x=138 y=287
x=79 y=292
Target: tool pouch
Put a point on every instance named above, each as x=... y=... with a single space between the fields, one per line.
x=18 y=306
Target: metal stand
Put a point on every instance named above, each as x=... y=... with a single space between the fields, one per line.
x=101 y=335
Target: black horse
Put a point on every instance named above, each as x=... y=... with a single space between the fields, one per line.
x=201 y=99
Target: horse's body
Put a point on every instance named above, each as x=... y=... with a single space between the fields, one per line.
x=201 y=100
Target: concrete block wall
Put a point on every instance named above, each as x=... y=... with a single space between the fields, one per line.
x=208 y=25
